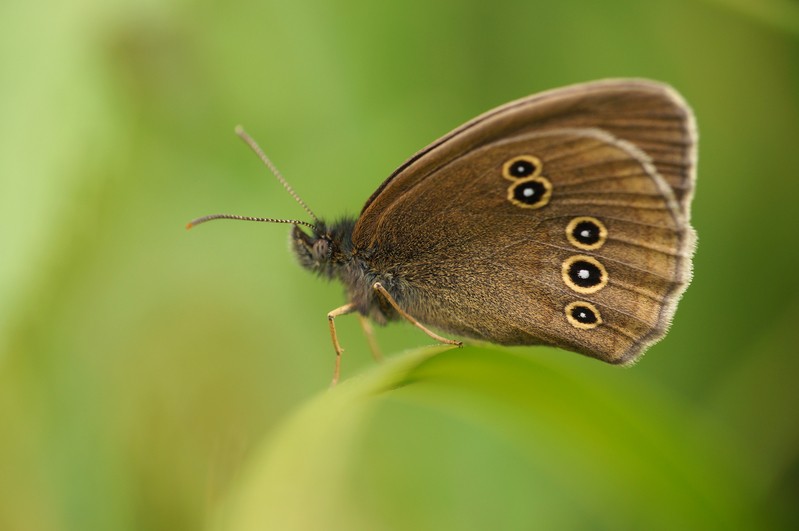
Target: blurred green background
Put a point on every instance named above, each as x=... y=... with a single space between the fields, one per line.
x=146 y=371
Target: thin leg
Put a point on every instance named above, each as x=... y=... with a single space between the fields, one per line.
x=370 y=337
x=344 y=310
x=380 y=289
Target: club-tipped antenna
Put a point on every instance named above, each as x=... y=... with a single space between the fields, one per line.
x=203 y=219
x=268 y=163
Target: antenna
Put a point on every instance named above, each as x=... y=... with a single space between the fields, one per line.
x=203 y=219
x=268 y=163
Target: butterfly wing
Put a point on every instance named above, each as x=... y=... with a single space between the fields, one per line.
x=649 y=115
x=559 y=219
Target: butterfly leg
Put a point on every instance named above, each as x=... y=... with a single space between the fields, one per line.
x=370 y=337
x=378 y=287
x=344 y=310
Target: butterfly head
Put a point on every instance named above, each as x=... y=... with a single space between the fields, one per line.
x=326 y=249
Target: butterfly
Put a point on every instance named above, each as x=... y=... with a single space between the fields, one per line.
x=559 y=219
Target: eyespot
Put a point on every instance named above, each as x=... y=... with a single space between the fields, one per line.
x=583 y=315
x=584 y=274
x=532 y=192
x=521 y=166
x=587 y=233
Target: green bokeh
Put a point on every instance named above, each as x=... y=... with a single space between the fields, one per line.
x=143 y=368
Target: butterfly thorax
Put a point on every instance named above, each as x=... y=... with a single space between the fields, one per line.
x=330 y=253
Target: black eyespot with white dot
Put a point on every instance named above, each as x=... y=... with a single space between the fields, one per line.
x=586 y=232
x=533 y=192
x=583 y=315
x=584 y=274
x=521 y=167
x=529 y=192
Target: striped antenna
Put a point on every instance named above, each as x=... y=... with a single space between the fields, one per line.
x=268 y=163
x=203 y=219
x=272 y=168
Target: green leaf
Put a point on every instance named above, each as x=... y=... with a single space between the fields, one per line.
x=586 y=446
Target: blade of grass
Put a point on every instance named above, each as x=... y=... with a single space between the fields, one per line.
x=624 y=455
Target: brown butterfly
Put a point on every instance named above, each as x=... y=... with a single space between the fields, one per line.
x=559 y=219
